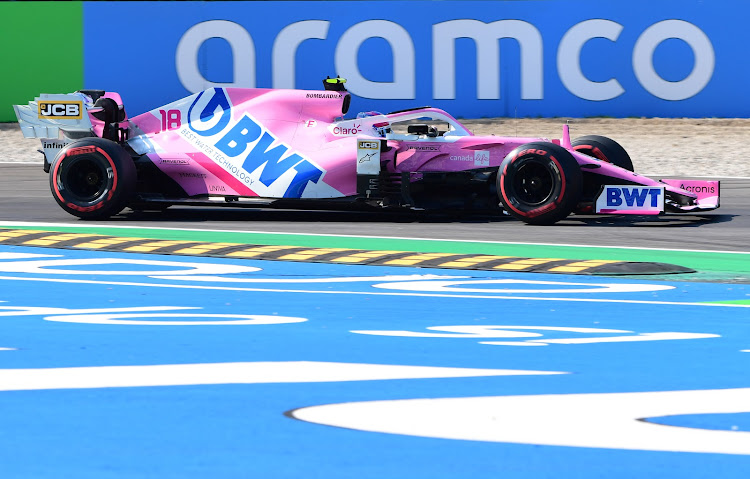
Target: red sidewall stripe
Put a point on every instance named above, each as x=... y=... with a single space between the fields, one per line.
x=546 y=207
x=82 y=150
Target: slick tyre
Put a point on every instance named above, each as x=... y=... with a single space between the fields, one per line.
x=605 y=149
x=92 y=178
x=539 y=183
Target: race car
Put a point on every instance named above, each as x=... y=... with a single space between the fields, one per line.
x=295 y=149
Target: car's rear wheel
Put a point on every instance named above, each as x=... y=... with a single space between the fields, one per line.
x=92 y=178
x=539 y=183
x=604 y=149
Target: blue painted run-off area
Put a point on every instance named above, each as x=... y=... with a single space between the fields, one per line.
x=278 y=339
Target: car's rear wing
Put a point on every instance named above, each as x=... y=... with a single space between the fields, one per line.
x=59 y=119
x=48 y=114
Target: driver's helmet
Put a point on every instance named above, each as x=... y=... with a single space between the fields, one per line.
x=365 y=114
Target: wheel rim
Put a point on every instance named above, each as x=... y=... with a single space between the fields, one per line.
x=85 y=178
x=534 y=183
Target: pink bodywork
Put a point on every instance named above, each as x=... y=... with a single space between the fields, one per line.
x=298 y=123
x=189 y=140
x=707 y=191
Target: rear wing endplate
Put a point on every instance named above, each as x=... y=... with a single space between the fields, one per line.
x=47 y=114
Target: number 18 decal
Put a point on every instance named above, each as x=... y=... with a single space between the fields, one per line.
x=170 y=119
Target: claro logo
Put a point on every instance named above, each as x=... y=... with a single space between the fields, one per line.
x=353 y=129
x=486 y=38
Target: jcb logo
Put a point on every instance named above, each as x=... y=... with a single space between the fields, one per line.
x=369 y=145
x=61 y=110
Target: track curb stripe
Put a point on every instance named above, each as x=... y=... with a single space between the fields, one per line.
x=52 y=239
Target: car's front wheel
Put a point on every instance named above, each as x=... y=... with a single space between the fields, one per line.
x=605 y=149
x=539 y=183
x=92 y=178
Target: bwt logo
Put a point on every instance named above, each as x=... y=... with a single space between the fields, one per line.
x=61 y=110
x=636 y=196
x=445 y=35
x=247 y=132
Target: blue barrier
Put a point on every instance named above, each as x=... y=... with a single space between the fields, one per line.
x=577 y=58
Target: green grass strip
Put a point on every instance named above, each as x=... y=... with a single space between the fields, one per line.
x=742 y=302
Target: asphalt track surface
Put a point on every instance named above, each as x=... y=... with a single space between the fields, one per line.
x=121 y=364
x=26 y=197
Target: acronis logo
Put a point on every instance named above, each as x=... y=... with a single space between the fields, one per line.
x=247 y=143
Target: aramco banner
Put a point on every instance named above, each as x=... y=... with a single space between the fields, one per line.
x=671 y=58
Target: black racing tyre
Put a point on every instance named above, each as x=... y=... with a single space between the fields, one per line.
x=539 y=183
x=605 y=149
x=92 y=178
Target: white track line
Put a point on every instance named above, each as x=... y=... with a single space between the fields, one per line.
x=369 y=293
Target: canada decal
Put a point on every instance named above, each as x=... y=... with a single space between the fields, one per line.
x=246 y=149
x=479 y=157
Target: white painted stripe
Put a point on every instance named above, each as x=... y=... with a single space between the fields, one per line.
x=720 y=178
x=611 y=420
x=231 y=373
x=16 y=256
x=364 y=293
x=628 y=339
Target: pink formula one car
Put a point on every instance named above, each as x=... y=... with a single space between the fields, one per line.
x=294 y=149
